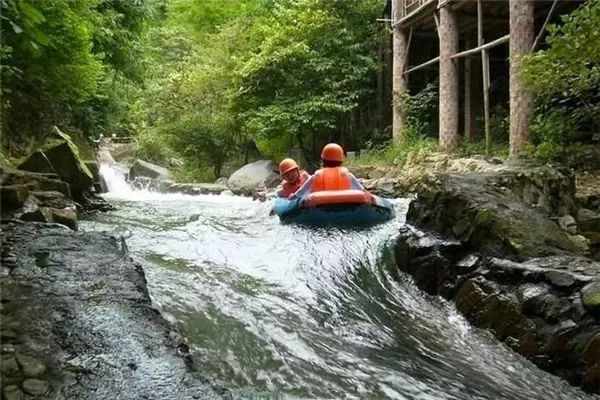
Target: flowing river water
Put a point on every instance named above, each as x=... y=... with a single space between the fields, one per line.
x=273 y=311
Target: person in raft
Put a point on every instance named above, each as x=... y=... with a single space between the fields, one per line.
x=292 y=178
x=332 y=176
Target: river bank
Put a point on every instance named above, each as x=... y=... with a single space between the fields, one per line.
x=77 y=322
x=510 y=243
x=513 y=245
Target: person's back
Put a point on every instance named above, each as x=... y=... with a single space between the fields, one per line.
x=332 y=176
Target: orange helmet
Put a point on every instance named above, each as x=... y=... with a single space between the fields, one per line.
x=287 y=165
x=332 y=152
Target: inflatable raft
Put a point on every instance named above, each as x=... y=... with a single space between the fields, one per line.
x=339 y=208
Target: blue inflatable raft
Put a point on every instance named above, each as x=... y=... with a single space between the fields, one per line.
x=337 y=208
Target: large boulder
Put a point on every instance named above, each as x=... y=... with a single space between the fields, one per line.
x=485 y=211
x=254 y=176
x=141 y=168
x=61 y=156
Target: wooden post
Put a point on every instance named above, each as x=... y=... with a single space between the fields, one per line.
x=400 y=55
x=469 y=117
x=449 y=80
x=521 y=99
x=485 y=62
x=485 y=77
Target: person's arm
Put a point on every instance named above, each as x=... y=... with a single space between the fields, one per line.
x=355 y=183
x=304 y=189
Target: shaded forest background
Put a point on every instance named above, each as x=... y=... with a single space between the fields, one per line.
x=203 y=85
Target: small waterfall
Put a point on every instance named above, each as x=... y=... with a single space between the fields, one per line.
x=114 y=177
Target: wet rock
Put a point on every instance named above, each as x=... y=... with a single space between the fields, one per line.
x=196 y=188
x=13 y=196
x=591 y=353
x=254 y=176
x=222 y=181
x=467 y=264
x=560 y=340
x=588 y=220
x=476 y=209
x=568 y=224
x=590 y=297
x=31 y=366
x=12 y=392
x=65 y=216
x=78 y=309
x=52 y=198
x=8 y=335
x=35 y=387
x=537 y=300
x=7 y=348
x=141 y=168
x=9 y=365
x=42 y=214
x=483 y=303
x=560 y=279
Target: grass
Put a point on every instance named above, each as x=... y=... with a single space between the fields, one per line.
x=396 y=154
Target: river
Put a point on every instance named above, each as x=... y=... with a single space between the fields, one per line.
x=288 y=312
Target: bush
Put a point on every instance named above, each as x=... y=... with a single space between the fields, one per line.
x=152 y=146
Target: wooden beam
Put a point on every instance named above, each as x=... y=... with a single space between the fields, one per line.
x=548 y=18
x=410 y=16
x=420 y=66
x=410 y=35
x=485 y=62
x=485 y=47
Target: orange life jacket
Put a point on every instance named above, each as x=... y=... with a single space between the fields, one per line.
x=288 y=189
x=336 y=178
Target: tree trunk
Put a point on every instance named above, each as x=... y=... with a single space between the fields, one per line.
x=469 y=110
x=521 y=99
x=449 y=80
x=400 y=52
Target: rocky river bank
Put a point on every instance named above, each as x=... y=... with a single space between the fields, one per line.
x=514 y=245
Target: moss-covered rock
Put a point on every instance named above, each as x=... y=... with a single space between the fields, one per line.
x=590 y=297
x=483 y=213
x=60 y=156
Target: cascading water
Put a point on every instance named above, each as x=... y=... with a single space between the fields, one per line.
x=114 y=177
x=308 y=313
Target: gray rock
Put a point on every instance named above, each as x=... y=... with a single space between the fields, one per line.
x=63 y=159
x=12 y=392
x=589 y=221
x=9 y=365
x=8 y=334
x=560 y=278
x=13 y=196
x=31 y=366
x=141 y=168
x=254 y=176
x=590 y=297
x=568 y=224
x=7 y=348
x=221 y=181
x=35 y=387
x=65 y=216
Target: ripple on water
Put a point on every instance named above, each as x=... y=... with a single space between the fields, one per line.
x=308 y=313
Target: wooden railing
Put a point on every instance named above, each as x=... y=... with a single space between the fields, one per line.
x=412 y=5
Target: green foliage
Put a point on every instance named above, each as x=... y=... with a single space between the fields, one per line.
x=567 y=73
x=72 y=63
x=421 y=112
x=414 y=142
x=307 y=76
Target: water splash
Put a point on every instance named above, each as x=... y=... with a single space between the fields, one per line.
x=114 y=176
